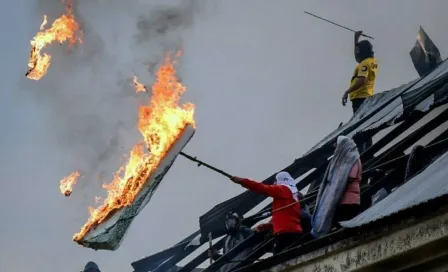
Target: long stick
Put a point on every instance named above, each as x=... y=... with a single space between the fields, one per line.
x=206 y=165
x=344 y=27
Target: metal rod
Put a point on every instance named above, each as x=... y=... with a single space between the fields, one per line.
x=246 y=260
x=344 y=27
x=210 y=245
x=200 y=163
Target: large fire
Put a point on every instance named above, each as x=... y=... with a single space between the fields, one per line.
x=64 y=28
x=66 y=184
x=161 y=123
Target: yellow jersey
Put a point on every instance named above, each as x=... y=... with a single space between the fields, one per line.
x=366 y=68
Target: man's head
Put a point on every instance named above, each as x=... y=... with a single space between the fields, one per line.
x=344 y=143
x=233 y=223
x=91 y=267
x=363 y=50
x=284 y=178
x=341 y=140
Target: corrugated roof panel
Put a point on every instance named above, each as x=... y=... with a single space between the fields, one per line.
x=368 y=107
x=438 y=72
x=393 y=101
x=425 y=105
x=429 y=184
x=387 y=114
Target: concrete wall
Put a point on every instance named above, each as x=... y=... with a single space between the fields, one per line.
x=422 y=245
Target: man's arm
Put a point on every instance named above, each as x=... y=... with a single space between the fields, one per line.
x=361 y=78
x=214 y=254
x=265 y=227
x=356 y=40
x=247 y=232
x=360 y=81
x=355 y=172
x=267 y=190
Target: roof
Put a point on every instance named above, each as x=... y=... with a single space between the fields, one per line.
x=418 y=98
x=152 y=262
x=428 y=185
x=429 y=188
x=382 y=110
x=367 y=116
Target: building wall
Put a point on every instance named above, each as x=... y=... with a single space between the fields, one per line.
x=417 y=244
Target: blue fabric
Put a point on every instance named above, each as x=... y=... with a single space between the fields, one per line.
x=333 y=185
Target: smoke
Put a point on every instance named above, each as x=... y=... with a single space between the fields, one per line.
x=87 y=95
x=162 y=20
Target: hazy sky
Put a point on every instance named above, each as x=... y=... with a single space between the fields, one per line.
x=267 y=81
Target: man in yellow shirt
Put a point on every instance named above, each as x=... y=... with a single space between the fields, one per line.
x=363 y=80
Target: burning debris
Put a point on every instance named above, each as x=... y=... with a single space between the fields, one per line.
x=166 y=128
x=138 y=86
x=64 y=28
x=66 y=184
x=109 y=233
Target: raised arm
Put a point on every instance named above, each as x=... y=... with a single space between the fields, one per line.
x=356 y=40
x=276 y=191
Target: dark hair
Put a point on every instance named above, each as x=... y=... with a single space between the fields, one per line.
x=91 y=266
x=238 y=219
x=234 y=215
x=365 y=49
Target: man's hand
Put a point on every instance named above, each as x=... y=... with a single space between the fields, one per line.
x=237 y=180
x=258 y=228
x=212 y=253
x=263 y=227
x=344 y=99
x=357 y=35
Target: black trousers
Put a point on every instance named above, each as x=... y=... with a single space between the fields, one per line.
x=345 y=212
x=356 y=104
x=284 y=240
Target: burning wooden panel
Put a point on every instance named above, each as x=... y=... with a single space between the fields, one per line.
x=64 y=28
x=110 y=233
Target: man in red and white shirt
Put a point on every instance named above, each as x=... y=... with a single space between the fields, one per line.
x=285 y=222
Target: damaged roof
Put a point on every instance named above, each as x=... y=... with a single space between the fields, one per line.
x=383 y=108
x=378 y=112
x=429 y=187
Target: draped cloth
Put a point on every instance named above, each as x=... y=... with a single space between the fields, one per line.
x=333 y=185
x=285 y=179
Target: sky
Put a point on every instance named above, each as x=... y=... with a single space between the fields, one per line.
x=266 y=79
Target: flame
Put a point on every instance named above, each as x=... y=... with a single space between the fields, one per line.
x=138 y=86
x=64 y=28
x=161 y=123
x=67 y=183
x=44 y=23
